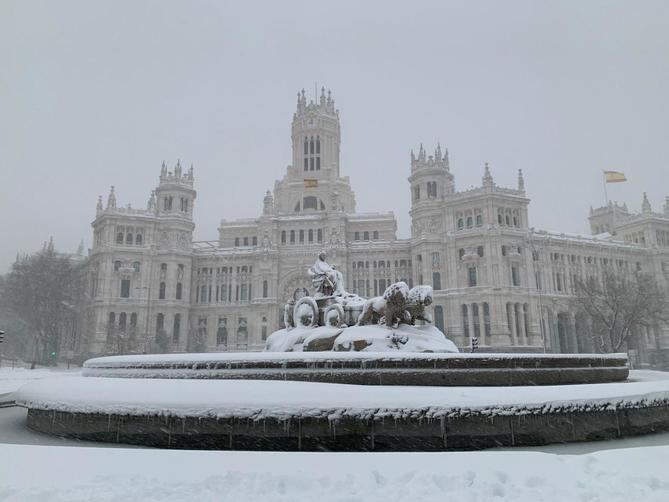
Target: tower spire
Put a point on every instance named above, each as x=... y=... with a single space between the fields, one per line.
x=645 y=205
x=111 y=200
x=487 y=177
x=521 y=181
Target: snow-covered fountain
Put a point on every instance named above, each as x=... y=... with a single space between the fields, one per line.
x=349 y=373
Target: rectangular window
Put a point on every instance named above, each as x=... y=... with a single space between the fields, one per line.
x=161 y=291
x=125 y=288
x=515 y=276
x=436 y=280
x=179 y=288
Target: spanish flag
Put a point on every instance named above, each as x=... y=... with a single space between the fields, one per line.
x=614 y=177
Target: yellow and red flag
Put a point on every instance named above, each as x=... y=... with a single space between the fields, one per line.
x=614 y=177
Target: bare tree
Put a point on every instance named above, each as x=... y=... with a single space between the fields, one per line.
x=41 y=289
x=619 y=304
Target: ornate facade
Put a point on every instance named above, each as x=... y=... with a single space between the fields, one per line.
x=494 y=277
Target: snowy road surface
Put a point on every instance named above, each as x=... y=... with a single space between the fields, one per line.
x=51 y=473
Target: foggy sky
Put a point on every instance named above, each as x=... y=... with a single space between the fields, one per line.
x=94 y=94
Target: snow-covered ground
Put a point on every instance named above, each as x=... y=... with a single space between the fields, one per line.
x=11 y=379
x=49 y=473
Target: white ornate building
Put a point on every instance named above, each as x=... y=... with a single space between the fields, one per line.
x=494 y=277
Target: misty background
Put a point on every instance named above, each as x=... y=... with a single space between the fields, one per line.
x=94 y=94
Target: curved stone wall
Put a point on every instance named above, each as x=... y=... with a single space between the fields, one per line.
x=373 y=369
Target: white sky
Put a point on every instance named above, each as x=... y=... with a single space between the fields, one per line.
x=100 y=93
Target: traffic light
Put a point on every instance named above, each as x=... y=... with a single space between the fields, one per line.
x=53 y=354
x=475 y=344
x=2 y=336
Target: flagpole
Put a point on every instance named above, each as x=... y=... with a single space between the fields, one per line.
x=606 y=195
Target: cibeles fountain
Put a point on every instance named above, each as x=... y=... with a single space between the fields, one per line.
x=334 y=320
x=349 y=373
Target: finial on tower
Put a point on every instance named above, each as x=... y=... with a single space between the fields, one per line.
x=437 y=153
x=487 y=177
x=99 y=208
x=645 y=205
x=111 y=200
x=151 y=203
x=521 y=181
x=666 y=206
x=190 y=172
x=177 y=169
x=268 y=204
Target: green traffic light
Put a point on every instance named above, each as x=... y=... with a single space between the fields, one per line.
x=53 y=354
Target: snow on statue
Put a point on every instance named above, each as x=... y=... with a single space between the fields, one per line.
x=325 y=278
x=336 y=320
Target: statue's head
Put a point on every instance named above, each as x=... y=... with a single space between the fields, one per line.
x=322 y=255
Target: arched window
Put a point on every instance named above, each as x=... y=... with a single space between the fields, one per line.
x=179 y=291
x=176 y=328
x=416 y=193
x=311 y=235
x=161 y=291
x=486 y=321
x=263 y=329
x=461 y=223
x=465 y=320
x=138 y=239
x=135 y=266
x=479 y=251
x=283 y=237
x=526 y=318
x=306 y=145
x=439 y=317
x=117 y=266
x=222 y=332
x=476 y=320
x=128 y=238
x=470 y=222
x=366 y=236
x=376 y=235
x=436 y=280
x=122 y=321
x=292 y=236
x=318 y=144
x=479 y=220
x=319 y=235
x=119 y=238
x=160 y=323
x=111 y=324
x=236 y=242
x=311 y=145
x=301 y=236
x=264 y=289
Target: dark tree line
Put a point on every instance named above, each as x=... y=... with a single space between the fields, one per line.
x=42 y=294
